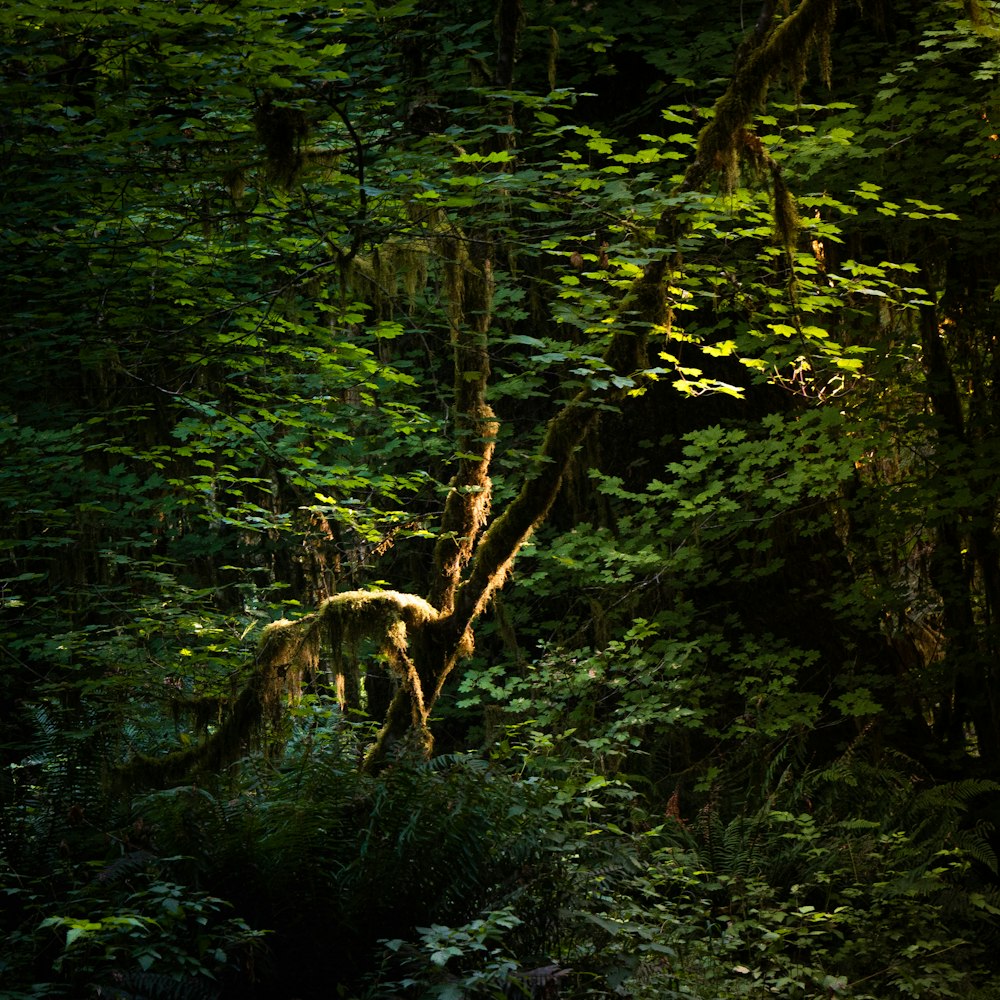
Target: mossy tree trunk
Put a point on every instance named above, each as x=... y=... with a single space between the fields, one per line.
x=422 y=639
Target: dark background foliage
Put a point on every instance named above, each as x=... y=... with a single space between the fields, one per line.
x=730 y=724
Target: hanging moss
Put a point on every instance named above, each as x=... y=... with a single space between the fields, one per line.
x=982 y=18
x=288 y=653
x=787 y=49
x=422 y=639
x=553 y=58
x=754 y=154
x=290 y=650
x=381 y=615
x=392 y=276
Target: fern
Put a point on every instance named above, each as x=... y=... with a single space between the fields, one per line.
x=122 y=868
x=150 y=986
x=337 y=859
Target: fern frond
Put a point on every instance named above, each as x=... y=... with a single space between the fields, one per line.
x=122 y=868
x=151 y=986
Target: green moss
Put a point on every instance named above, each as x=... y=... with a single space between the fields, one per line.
x=723 y=143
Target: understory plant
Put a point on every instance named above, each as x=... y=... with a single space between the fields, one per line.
x=124 y=929
x=545 y=863
x=849 y=880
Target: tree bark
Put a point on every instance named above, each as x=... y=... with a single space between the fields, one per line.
x=971 y=699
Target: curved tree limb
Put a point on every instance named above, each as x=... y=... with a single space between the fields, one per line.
x=423 y=639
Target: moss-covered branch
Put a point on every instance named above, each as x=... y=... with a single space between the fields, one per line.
x=725 y=141
x=289 y=652
x=467 y=507
x=498 y=547
x=421 y=639
x=785 y=49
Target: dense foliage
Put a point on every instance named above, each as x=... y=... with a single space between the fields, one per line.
x=499 y=501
